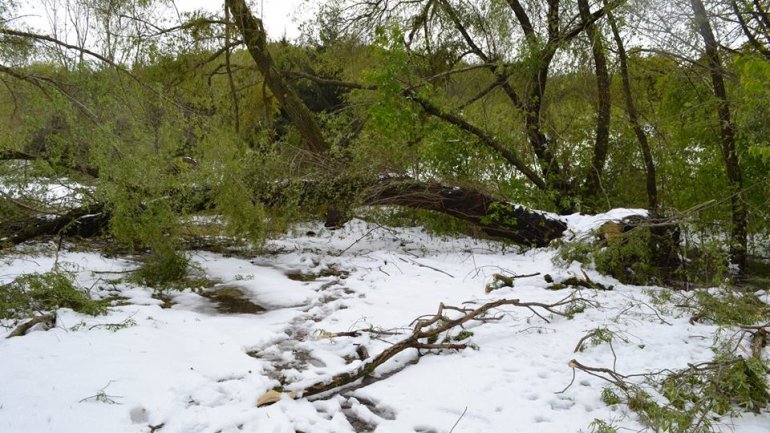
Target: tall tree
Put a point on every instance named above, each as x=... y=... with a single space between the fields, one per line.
x=738 y=235
x=593 y=184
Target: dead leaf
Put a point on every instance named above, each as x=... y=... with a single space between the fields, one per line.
x=273 y=396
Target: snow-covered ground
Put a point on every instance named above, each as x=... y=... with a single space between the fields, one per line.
x=194 y=368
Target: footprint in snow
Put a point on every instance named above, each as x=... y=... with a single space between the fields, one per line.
x=561 y=404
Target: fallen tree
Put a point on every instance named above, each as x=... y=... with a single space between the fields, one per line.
x=84 y=221
x=493 y=215
x=496 y=217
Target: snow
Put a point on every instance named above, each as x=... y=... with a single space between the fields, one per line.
x=54 y=192
x=191 y=368
x=581 y=225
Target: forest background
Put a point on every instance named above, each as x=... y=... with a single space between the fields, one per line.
x=444 y=108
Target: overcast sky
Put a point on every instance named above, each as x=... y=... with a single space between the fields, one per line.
x=281 y=17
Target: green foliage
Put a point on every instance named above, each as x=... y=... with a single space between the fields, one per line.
x=580 y=250
x=730 y=307
x=163 y=267
x=692 y=400
x=574 y=308
x=463 y=335
x=600 y=426
x=625 y=256
x=37 y=293
x=731 y=382
x=707 y=262
x=754 y=92
x=169 y=147
x=610 y=397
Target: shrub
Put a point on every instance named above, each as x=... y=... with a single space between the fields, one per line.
x=163 y=267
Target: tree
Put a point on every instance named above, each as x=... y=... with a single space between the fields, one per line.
x=738 y=239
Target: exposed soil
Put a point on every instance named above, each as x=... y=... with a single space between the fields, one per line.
x=231 y=300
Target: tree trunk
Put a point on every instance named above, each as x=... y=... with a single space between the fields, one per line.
x=255 y=38
x=664 y=239
x=738 y=233
x=494 y=216
x=84 y=221
x=633 y=117
x=594 y=180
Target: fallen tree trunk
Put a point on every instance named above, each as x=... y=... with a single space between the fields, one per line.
x=85 y=221
x=21 y=330
x=494 y=216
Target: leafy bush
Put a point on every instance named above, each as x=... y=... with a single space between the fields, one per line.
x=623 y=255
x=163 y=267
x=627 y=257
x=36 y=293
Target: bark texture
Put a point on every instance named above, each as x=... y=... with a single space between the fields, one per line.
x=494 y=216
x=603 y=105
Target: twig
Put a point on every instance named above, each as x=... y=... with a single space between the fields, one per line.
x=579 y=345
x=569 y=384
x=426 y=266
x=441 y=346
x=428 y=328
x=614 y=378
x=458 y=419
x=379 y=226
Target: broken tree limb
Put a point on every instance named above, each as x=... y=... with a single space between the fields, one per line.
x=82 y=221
x=426 y=331
x=26 y=326
x=255 y=39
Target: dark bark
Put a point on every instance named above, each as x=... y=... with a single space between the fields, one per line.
x=749 y=33
x=508 y=154
x=601 y=146
x=494 y=216
x=84 y=221
x=738 y=233
x=664 y=238
x=633 y=117
x=532 y=104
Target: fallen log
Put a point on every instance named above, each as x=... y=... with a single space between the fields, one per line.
x=85 y=221
x=21 y=330
x=494 y=216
